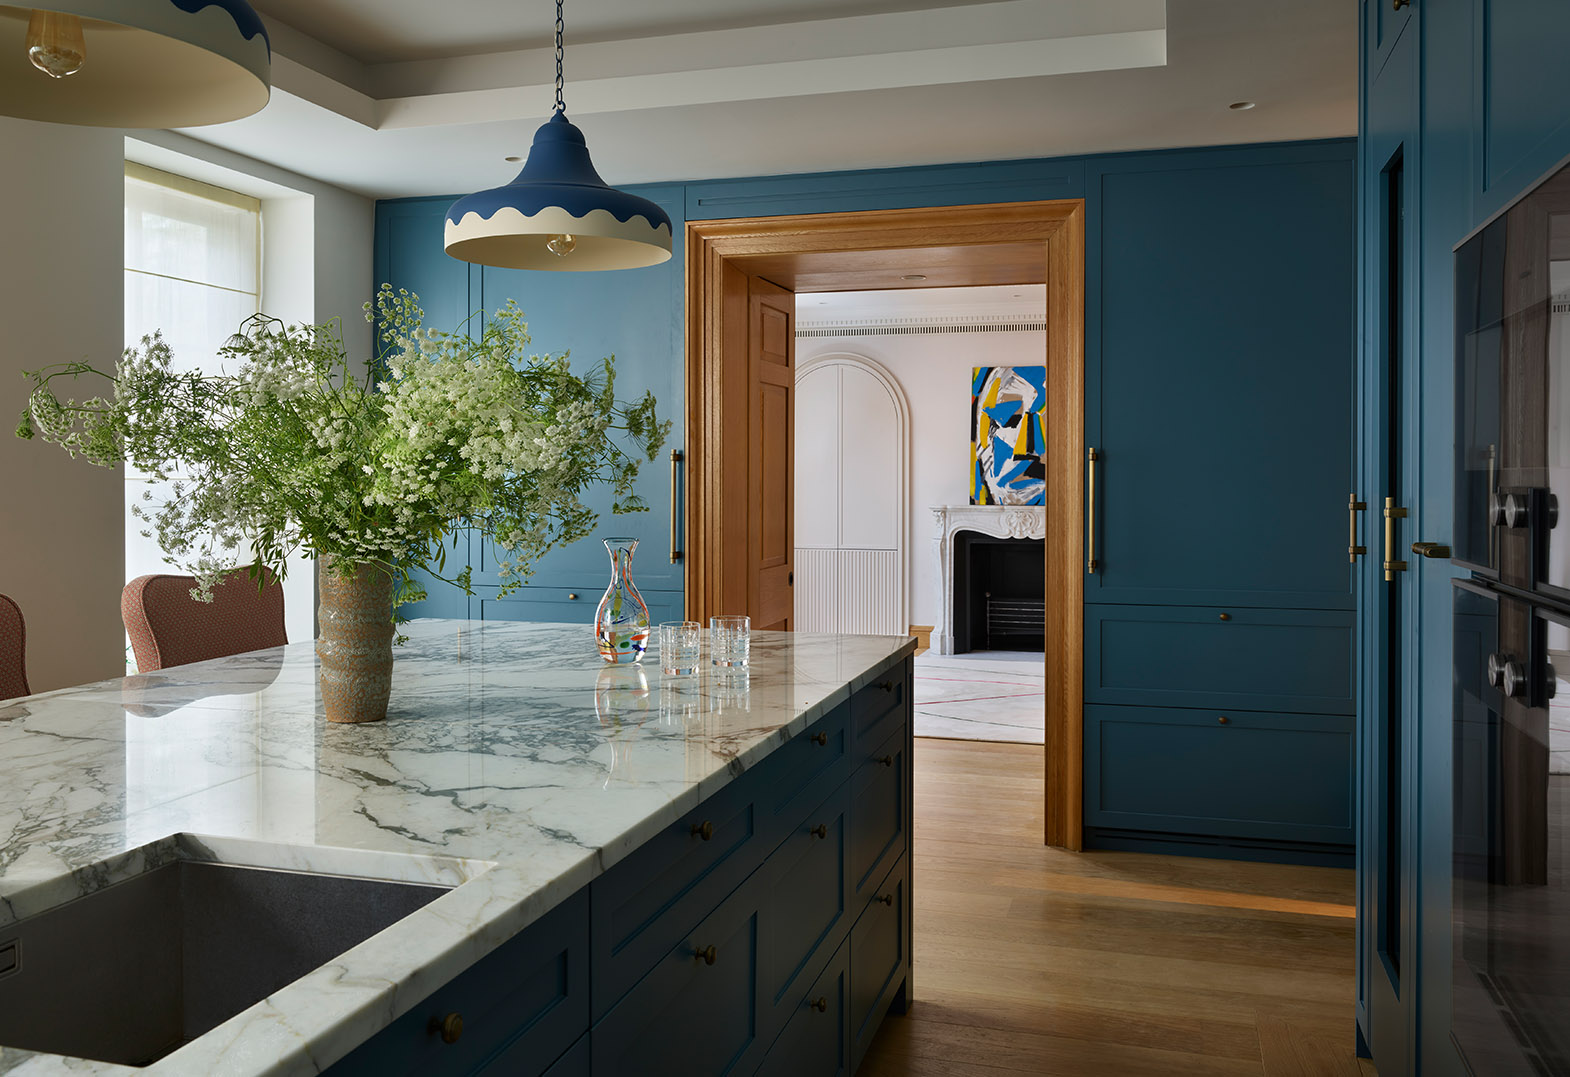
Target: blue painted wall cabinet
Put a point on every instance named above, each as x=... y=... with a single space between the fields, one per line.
x=1464 y=104
x=1220 y=339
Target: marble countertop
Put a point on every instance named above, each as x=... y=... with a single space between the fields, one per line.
x=513 y=763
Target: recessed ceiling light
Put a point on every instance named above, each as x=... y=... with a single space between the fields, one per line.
x=914 y=276
x=1241 y=106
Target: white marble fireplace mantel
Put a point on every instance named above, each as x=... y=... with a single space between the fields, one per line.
x=999 y=521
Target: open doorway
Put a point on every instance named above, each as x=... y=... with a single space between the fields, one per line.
x=742 y=279
x=901 y=395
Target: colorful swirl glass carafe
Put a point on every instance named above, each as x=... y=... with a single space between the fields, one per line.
x=621 y=624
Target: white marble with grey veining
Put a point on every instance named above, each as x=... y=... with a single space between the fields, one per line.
x=513 y=763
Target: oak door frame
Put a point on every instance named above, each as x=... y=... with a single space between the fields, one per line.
x=715 y=248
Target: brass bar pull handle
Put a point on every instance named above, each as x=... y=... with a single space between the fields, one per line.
x=676 y=459
x=1091 y=563
x=1353 y=507
x=1392 y=514
x=1431 y=549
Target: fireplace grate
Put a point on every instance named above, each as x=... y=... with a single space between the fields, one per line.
x=1015 y=617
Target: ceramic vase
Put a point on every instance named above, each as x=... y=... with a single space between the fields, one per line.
x=355 y=645
x=621 y=624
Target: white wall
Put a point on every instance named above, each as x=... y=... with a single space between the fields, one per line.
x=61 y=299
x=62 y=546
x=934 y=372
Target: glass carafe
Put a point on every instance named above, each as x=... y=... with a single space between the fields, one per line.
x=621 y=624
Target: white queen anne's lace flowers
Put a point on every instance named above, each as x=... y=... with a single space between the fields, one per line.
x=295 y=450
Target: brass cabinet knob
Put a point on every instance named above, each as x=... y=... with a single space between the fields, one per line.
x=1224 y=720
x=887 y=686
x=820 y=1004
x=886 y=899
x=704 y=830
x=572 y=596
x=449 y=1027
x=820 y=739
x=1226 y=616
x=706 y=955
x=819 y=831
x=887 y=761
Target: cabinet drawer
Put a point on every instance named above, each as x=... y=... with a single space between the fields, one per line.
x=521 y=1006
x=1260 y=659
x=878 y=803
x=687 y=1016
x=1256 y=775
x=564 y=605
x=816 y=1038
x=641 y=907
x=879 y=957
x=878 y=707
x=805 y=907
x=800 y=773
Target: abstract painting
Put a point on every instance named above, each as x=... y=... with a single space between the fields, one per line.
x=1008 y=435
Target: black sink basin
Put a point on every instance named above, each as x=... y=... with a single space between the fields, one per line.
x=128 y=973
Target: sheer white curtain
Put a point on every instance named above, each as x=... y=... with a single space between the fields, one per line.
x=192 y=272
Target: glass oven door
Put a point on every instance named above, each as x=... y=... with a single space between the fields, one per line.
x=1511 y=975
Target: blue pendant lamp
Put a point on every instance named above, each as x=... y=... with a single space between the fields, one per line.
x=133 y=63
x=558 y=214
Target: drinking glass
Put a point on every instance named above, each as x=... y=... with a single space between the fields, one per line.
x=679 y=643
x=730 y=641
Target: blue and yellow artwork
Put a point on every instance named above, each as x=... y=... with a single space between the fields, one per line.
x=1008 y=435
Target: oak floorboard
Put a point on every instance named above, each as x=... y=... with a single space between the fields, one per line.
x=1033 y=960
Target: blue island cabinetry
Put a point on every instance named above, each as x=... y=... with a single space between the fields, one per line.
x=767 y=931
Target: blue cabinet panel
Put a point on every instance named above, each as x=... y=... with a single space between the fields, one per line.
x=879 y=957
x=521 y=1007
x=807 y=908
x=690 y=1015
x=561 y=605
x=409 y=255
x=1222 y=403
x=635 y=315
x=893 y=188
x=816 y=1038
x=1383 y=23
x=1244 y=774
x=1198 y=656
x=1521 y=132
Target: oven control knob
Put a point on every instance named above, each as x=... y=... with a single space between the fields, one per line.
x=1496 y=670
x=1550 y=681
x=1496 y=509
x=1515 y=679
x=1517 y=512
x=1551 y=503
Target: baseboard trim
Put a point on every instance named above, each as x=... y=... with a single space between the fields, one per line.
x=1265 y=852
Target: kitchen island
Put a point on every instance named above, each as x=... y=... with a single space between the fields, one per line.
x=634 y=869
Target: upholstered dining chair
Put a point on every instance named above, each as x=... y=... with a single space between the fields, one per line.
x=170 y=628
x=13 y=651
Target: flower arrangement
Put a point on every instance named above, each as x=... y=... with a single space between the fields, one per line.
x=296 y=451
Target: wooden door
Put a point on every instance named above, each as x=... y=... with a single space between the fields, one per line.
x=771 y=447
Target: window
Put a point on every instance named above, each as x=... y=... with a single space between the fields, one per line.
x=192 y=272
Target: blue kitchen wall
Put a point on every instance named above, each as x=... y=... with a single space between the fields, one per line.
x=1220 y=355
x=1474 y=98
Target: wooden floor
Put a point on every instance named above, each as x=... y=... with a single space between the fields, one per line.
x=1033 y=960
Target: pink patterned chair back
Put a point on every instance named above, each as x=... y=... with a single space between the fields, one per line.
x=170 y=628
x=13 y=651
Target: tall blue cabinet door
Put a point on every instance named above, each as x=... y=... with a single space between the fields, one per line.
x=635 y=315
x=409 y=255
x=1222 y=403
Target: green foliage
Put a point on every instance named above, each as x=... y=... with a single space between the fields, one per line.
x=295 y=451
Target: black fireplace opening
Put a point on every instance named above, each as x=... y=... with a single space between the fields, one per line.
x=999 y=594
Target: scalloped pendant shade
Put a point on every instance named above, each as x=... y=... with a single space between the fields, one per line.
x=133 y=63
x=558 y=214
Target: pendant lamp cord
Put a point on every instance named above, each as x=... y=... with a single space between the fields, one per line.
x=561 y=108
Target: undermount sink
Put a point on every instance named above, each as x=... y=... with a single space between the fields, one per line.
x=133 y=971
